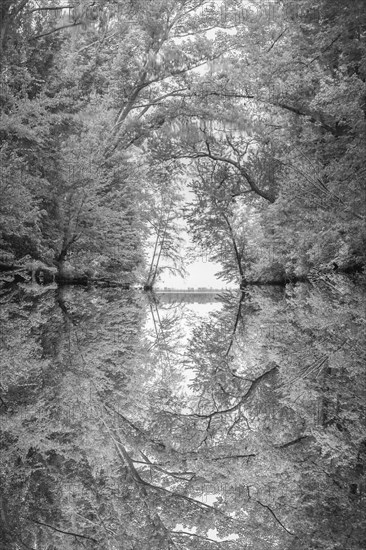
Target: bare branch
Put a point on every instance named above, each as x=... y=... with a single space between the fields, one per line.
x=276 y=518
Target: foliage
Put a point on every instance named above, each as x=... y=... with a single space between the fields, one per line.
x=101 y=432
x=255 y=436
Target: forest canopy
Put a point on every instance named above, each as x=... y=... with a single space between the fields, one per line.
x=110 y=109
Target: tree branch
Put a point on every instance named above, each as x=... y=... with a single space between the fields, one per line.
x=244 y=173
x=242 y=400
x=123 y=454
x=155 y=519
x=237 y=255
x=55 y=30
x=277 y=39
x=176 y=475
x=18 y=9
x=276 y=518
x=293 y=442
x=61 y=531
x=295 y=110
x=312 y=117
x=325 y=49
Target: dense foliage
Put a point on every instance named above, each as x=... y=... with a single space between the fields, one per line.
x=108 y=107
x=242 y=430
x=127 y=422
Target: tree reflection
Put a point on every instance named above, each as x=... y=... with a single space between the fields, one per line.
x=130 y=422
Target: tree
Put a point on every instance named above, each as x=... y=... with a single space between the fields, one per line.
x=211 y=219
x=286 y=134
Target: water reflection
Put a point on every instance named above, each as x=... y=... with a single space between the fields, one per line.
x=151 y=422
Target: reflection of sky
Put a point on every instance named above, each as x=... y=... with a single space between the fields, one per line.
x=194 y=313
x=191 y=315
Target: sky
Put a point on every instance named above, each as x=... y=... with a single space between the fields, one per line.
x=200 y=274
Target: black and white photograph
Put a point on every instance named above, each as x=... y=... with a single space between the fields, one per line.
x=182 y=275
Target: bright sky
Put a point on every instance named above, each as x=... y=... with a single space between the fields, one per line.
x=200 y=274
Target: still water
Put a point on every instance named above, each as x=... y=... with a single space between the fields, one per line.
x=139 y=421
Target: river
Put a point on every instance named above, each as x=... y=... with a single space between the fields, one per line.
x=139 y=421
